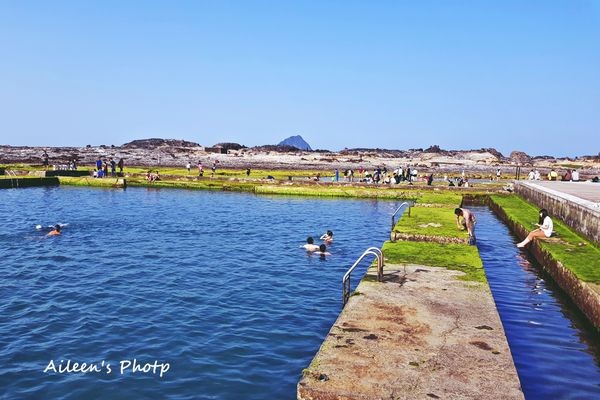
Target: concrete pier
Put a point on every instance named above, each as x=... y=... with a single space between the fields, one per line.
x=420 y=334
x=575 y=203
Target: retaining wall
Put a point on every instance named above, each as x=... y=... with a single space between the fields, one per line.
x=7 y=183
x=575 y=212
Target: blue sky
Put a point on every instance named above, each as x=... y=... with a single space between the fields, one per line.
x=514 y=75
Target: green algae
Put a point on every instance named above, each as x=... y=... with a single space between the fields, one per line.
x=434 y=222
x=439 y=198
x=457 y=257
x=575 y=252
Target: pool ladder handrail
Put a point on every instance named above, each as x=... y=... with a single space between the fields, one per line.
x=12 y=173
x=346 y=279
x=406 y=203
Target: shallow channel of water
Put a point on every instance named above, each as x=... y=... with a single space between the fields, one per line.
x=556 y=351
x=213 y=283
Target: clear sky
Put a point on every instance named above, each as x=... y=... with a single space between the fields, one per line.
x=514 y=75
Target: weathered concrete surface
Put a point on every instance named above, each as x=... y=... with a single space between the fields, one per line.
x=420 y=334
x=586 y=296
x=575 y=203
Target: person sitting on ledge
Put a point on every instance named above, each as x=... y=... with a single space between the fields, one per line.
x=544 y=231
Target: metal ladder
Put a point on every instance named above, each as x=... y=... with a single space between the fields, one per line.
x=346 y=279
x=406 y=203
x=14 y=181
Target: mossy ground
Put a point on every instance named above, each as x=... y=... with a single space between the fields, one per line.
x=458 y=257
x=433 y=209
x=574 y=251
x=430 y=221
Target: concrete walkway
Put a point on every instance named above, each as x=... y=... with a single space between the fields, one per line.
x=586 y=191
x=421 y=334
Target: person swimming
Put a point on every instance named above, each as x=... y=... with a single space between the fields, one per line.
x=327 y=237
x=310 y=244
x=323 y=251
x=55 y=231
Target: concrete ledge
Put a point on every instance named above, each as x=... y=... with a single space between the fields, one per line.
x=586 y=296
x=420 y=334
x=580 y=214
x=50 y=173
x=8 y=183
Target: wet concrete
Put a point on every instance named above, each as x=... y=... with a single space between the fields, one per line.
x=420 y=334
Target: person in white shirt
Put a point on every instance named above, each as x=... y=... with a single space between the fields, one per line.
x=536 y=175
x=575 y=176
x=545 y=229
x=531 y=175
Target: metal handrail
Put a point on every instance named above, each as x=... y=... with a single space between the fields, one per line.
x=16 y=180
x=346 y=279
x=398 y=209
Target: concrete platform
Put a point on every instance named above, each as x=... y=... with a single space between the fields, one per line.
x=421 y=334
x=585 y=191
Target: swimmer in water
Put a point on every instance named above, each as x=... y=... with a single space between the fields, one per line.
x=327 y=237
x=323 y=251
x=55 y=231
x=310 y=246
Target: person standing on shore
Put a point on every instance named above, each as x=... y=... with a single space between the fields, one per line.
x=113 y=168
x=120 y=165
x=189 y=167
x=45 y=159
x=200 y=169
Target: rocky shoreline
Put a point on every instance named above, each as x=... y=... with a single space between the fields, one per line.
x=177 y=153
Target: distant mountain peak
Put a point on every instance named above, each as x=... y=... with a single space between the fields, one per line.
x=295 y=141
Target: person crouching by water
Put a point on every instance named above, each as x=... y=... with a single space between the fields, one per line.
x=55 y=231
x=327 y=237
x=545 y=225
x=310 y=245
x=467 y=222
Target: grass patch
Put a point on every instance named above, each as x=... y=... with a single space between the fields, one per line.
x=87 y=181
x=439 y=198
x=429 y=221
x=575 y=252
x=457 y=257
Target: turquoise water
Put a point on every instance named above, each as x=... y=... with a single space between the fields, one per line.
x=213 y=284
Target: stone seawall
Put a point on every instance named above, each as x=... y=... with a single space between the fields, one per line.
x=577 y=213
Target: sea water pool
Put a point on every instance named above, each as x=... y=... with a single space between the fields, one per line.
x=214 y=284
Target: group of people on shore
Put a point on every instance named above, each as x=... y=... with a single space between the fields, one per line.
x=102 y=166
x=571 y=175
x=321 y=249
